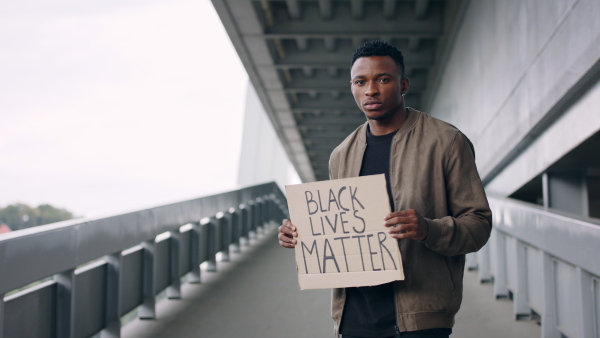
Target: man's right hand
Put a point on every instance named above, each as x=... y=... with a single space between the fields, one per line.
x=287 y=234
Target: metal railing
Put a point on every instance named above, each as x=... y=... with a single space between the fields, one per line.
x=129 y=264
x=548 y=263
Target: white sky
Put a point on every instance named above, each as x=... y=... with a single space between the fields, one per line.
x=109 y=106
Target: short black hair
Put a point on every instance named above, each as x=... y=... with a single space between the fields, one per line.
x=380 y=48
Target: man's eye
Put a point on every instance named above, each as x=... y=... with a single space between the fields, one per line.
x=384 y=80
x=359 y=82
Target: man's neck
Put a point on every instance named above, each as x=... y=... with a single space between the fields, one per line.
x=390 y=125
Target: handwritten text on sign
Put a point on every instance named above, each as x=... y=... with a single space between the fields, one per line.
x=341 y=238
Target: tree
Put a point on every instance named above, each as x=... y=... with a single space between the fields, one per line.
x=21 y=216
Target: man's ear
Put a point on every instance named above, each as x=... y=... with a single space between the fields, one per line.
x=405 y=84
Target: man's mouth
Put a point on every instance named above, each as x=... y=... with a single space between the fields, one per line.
x=371 y=105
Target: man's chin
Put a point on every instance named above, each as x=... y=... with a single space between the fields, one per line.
x=378 y=116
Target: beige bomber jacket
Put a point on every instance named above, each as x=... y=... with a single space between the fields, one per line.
x=432 y=170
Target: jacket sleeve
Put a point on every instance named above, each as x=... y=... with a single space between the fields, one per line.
x=469 y=224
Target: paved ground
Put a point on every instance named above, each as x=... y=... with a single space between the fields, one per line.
x=482 y=316
x=256 y=296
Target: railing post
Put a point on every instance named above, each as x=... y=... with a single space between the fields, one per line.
x=1 y=315
x=471 y=261
x=148 y=308
x=262 y=218
x=520 y=308
x=586 y=302
x=235 y=229
x=211 y=261
x=548 y=318
x=194 y=274
x=483 y=262
x=251 y=220
x=264 y=213
x=65 y=304
x=269 y=211
x=112 y=322
x=500 y=290
x=244 y=232
x=174 y=288
x=256 y=216
x=225 y=235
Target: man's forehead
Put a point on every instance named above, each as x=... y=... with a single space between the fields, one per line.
x=367 y=63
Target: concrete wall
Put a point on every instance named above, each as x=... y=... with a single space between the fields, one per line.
x=263 y=158
x=516 y=70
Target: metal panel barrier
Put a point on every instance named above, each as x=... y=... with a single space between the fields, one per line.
x=104 y=268
x=547 y=262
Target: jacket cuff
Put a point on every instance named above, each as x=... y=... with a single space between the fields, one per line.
x=435 y=232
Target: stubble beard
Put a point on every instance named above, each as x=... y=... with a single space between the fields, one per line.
x=387 y=115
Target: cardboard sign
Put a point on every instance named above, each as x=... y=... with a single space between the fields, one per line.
x=342 y=241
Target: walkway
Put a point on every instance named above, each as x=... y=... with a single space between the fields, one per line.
x=256 y=296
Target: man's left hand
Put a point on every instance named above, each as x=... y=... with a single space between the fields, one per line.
x=407 y=224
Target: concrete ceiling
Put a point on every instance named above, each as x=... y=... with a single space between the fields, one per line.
x=297 y=55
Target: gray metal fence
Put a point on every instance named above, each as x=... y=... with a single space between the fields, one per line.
x=548 y=263
x=103 y=268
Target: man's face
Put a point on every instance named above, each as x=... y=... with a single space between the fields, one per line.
x=377 y=87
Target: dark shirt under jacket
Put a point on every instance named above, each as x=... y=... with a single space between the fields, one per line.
x=370 y=311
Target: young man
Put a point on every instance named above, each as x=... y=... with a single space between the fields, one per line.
x=440 y=211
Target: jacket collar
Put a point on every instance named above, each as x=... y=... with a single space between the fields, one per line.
x=411 y=119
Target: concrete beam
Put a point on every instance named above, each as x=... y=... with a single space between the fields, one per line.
x=389 y=9
x=329 y=43
x=370 y=23
x=325 y=9
x=302 y=43
x=293 y=9
x=358 y=9
x=421 y=9
x=357 y=37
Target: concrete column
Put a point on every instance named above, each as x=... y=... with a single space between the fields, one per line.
x=568 y=192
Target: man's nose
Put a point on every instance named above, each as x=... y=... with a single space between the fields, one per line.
x=371 y=90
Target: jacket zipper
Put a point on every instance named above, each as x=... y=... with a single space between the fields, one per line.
x=397 y=327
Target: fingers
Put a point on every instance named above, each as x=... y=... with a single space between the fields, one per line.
x=288 y=228
x=406 y=235
x=400 y=220
x=287 y=232
x=406 y=224
x=410 y=214
x=401 y=229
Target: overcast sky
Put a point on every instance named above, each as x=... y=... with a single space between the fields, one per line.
x=109 y=106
